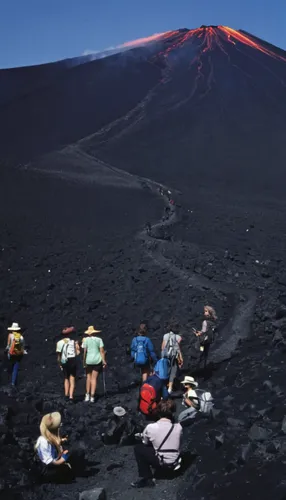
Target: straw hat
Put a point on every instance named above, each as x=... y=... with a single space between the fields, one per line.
x=189 y=381
x=91 y=330
x=51 y=421
x=14 y=328
x=119 y=411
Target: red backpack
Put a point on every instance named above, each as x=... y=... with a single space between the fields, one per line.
x=148 y=398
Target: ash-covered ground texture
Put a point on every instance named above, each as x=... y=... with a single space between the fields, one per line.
x=84 y=146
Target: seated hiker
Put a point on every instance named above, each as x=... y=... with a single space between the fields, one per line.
x=163 y=452
x=196 y=400
x=190 y=399
x=151 y=392
x=49 y=447
x=206 y=335
x=171 y=350
x=67 y=350
x=15 y=349
x=93 y=360
x=120 y=428
x=142 y=351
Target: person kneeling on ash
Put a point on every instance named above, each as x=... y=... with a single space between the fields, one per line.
x=49 y=447
x=164 y=440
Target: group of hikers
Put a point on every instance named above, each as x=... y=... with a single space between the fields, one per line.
x=160 y=440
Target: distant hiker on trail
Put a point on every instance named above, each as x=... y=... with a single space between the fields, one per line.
x=171 y=350
x=49 y=448
x=142 y=350
x=195 y=400
x=67 y=350
x=167 y=213
x=93 y=361
x=160 y=447
x=148 y=228
x=161 y=191
x=15 y=349
x=151 y=392
x=206 y=335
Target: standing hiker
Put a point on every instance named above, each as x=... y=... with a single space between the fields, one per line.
x=206 y=335
x=93 y=361
x=172 y=351
x=142 y=351
x=67 y=350
x=15 y=349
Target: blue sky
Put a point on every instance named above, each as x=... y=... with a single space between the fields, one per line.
x=37 y=31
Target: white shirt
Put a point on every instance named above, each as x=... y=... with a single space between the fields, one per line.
x=46 y=451
x=190 y=395
x=155 y=433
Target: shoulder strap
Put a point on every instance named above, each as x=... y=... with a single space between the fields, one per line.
x=165 y=438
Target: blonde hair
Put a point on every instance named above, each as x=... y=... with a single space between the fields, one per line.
x=50 y=429
x=211 y=312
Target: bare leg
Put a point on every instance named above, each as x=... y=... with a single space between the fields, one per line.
x=88 y=381
x=72 y=386
x=94 y=377
x=67 y=386
x=145 y=372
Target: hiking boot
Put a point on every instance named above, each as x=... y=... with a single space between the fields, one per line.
x=87 y=398
x=67 y=399
x=144 y=483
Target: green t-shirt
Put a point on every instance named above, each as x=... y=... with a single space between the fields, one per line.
x=92 y=345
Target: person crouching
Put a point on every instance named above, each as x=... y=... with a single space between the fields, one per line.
x=160 y=447
x=190 y=400
x=54 y=457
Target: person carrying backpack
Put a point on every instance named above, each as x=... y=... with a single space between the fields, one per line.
x=151 y=392
x=195 y=400
x=93 y=361
x=142 y=350
x=67 y=350
x=206 y=335
x=160 y=447
x=15 y=349
x=171 y=350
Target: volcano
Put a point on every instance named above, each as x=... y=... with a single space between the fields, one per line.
x=89 y=148
x=185 y=99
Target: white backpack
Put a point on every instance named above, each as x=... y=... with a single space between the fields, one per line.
x=172 y=348
x=206 y=402
x=68 y=350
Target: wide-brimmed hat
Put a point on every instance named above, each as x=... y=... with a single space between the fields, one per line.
x=68 y=330
x=51 y=421
x=119 y=411
x=189 y=381
x=15 y=327
x=91 y=330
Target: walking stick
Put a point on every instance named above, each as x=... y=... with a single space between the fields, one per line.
x=104 y=383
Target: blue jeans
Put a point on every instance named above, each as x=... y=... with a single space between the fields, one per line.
x=15 y=362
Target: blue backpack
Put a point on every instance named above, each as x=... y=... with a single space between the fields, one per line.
x=141 y=357
x=162 y=369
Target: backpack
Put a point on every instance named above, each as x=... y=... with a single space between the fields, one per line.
x=162 y=368
x=148 y=396
x=68 y=350
x=171 y=349
x=141 y=356
x=16 y=348
x=209 y=336
x=206 y=402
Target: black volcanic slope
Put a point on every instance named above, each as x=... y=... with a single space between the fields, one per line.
x=84 y=145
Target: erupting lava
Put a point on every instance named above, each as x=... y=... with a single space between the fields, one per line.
x=210 y=38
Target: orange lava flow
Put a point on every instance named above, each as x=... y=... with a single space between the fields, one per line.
x=234 y=36
x=148 y=39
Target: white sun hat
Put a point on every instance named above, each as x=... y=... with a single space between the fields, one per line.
x=119 y=411
x=190 y=381
x=14 y=328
